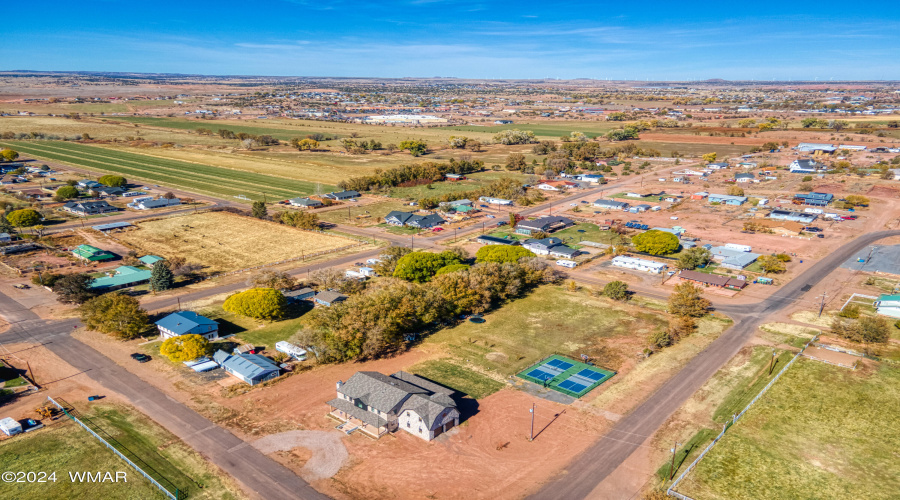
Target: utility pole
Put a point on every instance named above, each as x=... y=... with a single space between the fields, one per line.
x=179 y=302
x=412 y=241
x=672 y=468
x=772 y=362
x=30 y=373
x=531 y=436
x=348 y=214
x=822 y=306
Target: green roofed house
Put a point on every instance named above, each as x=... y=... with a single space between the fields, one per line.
x=125 y=276
x=93 y=254
x=149 y=260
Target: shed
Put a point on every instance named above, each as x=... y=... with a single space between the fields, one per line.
x=150 y=260
x=327 y=298
x=251 y=368
x=301 y=294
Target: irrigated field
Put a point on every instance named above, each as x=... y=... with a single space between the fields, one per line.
x=195 y=177
x=224 y=242
x=821 y=432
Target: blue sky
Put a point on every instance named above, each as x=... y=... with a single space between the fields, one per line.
x=488 y=39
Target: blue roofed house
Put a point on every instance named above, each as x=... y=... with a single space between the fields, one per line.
x=813 y=198
x=342 y=195
x=251 y=368
x=150 y=260
x=187 y=323
x=806 y=167
x=726 y=199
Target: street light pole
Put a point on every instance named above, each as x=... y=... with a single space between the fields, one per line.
x=672 y=467
x=531 y=436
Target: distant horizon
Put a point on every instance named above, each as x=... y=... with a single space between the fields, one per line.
x=492 y=40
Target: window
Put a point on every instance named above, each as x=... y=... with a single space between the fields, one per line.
x=408 y=424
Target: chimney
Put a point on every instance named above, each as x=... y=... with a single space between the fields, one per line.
x=339 y=384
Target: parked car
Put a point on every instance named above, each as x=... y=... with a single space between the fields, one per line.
x=820 y=235
x=490 y=216
x=140 y=358
x=566 y=263
x=812 y=229
x=501 y=223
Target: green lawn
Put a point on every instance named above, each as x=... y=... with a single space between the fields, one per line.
x=375 y=211
x=194 y=177
x=549 y=320
x=457 y=378
x=66 y=447
x=284 y=134
x=821 y=432
x=570 y=235
x=257 y=332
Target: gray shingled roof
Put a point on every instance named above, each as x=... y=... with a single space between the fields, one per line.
x=378 y=390
x=358 y=413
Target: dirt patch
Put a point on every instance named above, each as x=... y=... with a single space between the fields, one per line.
x=328 y=452
x=819 y=353
x=497 y=357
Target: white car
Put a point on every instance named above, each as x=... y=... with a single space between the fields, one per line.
x=673 y=217
x=490 y=216
x=373 y=261
x=567 y=263
x=573 y=204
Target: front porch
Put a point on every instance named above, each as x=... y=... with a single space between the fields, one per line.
x=350 y=424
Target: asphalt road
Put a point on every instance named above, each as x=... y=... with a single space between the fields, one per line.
x=603 y=457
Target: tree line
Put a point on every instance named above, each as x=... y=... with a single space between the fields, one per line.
x=393 y=177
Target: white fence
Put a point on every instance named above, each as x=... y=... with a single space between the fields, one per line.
x=671 y=491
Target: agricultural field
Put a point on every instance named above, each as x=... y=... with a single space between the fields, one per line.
x=100 y=128
x=189 y=176
x=363 y=214
x=221 y=241
x=65 y=447
x=820 y=432
x=543 y=130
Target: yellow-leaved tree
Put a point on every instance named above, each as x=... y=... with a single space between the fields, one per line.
x=184 y=347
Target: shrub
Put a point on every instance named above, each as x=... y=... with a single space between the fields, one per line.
x=616 y=290
x=655 y=242
x=115 y=314
x=502 y=253
x=112 y=180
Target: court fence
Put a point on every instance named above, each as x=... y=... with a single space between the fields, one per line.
x=671 y=490
x=143 y=468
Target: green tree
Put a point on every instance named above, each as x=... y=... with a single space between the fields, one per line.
x=808 y=122
x=66 y=193
x=112 y=180
x=661 y=339
x=25 y=217
x=8 y=155
x=515 y=161
x=771 y=264
x=422 y=266
x=856 y=199
x=452 y=268
x=259 y=303
x=115 y=314
x=161 y=277
x=687 y=300
x=415 y=147
x=873 y=330
x=388 y=260
x=259 y=210
x=655 y=242
x=305 y=144
x=693 y=258
x=502 y=253
x=74 y=288
x=616 y=290
x=302 y=220
x=735 y=191
x=184 y=347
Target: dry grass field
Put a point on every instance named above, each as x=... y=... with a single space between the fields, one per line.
x=224 y=242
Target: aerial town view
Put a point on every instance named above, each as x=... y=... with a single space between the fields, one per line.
x=611 y=252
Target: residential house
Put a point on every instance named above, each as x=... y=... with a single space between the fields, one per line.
x=493 y=240
x=806 y=167
x=455 y=177
x=713 y=280
x=592 y=178
x=123 y=277
x=150 y=260
x=718 y=166
x=298 y=295
x=149 y=203
x=251 y=368
x=744 y=177
x=813 y=199
x=329 y=298
x=888 y=305
x=105 y=191
x=689 y=172
x=556 y=185
x=494 y=201
x=396 y=218
x=377 y=404
x=305 y=202
x=637 y=264
x=457 y=203
x=91 y=253
x=731 y=258
x=801 y=217
x=89 y=184
x=187 y=323
x=544 y=224
x=643 y=207
x=550 y=246
x=342 y=195
x=726 y=199
x=85 y=208
x=810 y=147
x=611 y=204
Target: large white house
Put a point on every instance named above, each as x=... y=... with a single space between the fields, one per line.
x=376 y=404
x=637 y=264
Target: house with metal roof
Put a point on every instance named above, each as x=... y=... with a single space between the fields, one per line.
x=545 y=224
x=813 y=198
x=727 y=199
x=329 y=298
x=888 y=305
x=187 y=323
x=110 y=226
x=712 y=280
x=744 y=177
x=123 y=277
x=494 y=201
x=638 y=264
x=92 y=253
x=342 y=195
x=251 y=368
x=801 y=217
x=493 y=240
x=550 y=246
x=731 y=258
x=305 y=202
x=84 y=208
x=150 y=260
x=611 y=204
x=376 y=404
x=298 y=295
x=88 y=184
x=812 y=147
x=149 y=203
x=806 y=167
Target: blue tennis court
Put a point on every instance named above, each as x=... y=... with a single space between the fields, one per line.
x=565 y=375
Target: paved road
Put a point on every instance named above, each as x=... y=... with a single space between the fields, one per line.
x=256 y=472
x=604 y=456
